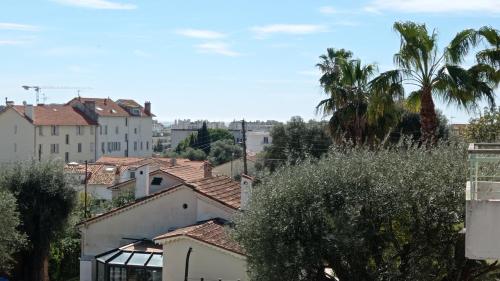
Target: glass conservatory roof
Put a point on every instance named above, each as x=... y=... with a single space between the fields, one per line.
x=129 y=256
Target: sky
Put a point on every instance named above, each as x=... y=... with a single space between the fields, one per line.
x=215 y=60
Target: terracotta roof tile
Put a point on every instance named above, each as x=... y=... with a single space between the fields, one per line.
x=98 y=174
x=104 y=107
x=212 y=232
x=56 y=114
x=221 y=188
x=133 y=104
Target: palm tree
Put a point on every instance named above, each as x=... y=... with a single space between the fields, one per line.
x=351 y=102
x=433 y=74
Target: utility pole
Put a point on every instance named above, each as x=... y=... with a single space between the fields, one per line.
x=244 y=133
x=86 y=176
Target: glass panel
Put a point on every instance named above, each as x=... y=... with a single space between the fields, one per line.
x=120 y=259
x=107 y=256
x=101 y=274
x=155 y=275
x=138 y=259
x=156 y=261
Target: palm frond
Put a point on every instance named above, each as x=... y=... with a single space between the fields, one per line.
x=460 y=45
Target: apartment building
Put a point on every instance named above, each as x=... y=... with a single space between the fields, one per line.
x=125 y=128
x=46 y=132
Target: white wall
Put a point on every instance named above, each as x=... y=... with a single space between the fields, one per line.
x=138 y=129
x=86 y=139
x=205 y=262
x=255 y=140
x=482 y=229
x=16 y=137
x=167 y=182
x=208 y=209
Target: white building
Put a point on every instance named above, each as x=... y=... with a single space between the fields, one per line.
x=124 y=127
x=149 y=238
x=46 y=132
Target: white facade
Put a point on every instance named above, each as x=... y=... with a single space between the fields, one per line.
x=118 y=136
x=149 y=218
x=258 y=140
x=22 y=140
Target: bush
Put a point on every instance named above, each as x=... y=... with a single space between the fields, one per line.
x=392 y=214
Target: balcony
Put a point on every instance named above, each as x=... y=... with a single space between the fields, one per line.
x=482 y=238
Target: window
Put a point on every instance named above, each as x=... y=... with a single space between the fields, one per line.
x=116 y=130
x=102 y=148
x=147 y=145
x=91 y=147
x=54 y=130
x=117 y=273
x=100 y=130
x=79 y=130
x=40 y=131
x=135 y=131
x=266 y=140
x=54 y=148
x=156 y=181
x=92 y=130
x=79 y=147
x=126 y=122
x=15 y=129
x=114 y=146
x=67 y=139
x=141 y=145
x=106 y=129
x=132 y=175
x=135 y=146
x=40 y=152
x=66 y=157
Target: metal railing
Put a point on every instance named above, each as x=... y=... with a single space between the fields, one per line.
x=484 y=172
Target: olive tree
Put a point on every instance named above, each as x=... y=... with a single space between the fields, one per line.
x=387 y=214
x=11 y=239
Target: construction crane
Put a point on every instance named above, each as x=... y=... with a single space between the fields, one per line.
x=39 y=88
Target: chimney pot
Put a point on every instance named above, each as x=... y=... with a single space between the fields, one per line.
x=207 y=169
x=29 y=111
x=173 y=161
x=147 y=108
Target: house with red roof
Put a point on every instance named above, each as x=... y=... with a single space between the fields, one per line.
x=152 y=237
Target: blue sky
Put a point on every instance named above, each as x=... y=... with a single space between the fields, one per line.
x=218 y=59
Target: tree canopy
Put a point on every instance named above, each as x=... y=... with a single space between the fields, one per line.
x=388 y=214
x=11 y=239
x=485 y=128
x=224 y=151
x=45 y=197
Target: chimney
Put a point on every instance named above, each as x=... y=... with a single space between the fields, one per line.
x=142 y=182
x=207 y=169
x=90 y=105
x=246 y=190
x=173 y=161
x=117 y=175
x=29 y=111
x=147 y=108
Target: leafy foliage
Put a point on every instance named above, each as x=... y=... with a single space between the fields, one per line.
x=45 y=199
x=294 y=141
x=220 y=134
x=223 y=151
x=388 y=214
x=485 y=128
x=197 y=146
x=12 y=240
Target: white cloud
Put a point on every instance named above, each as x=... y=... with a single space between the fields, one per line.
x=262 y=31
x=217 y=48
x=434 y=6
x=18 y=26
x=328 y=10
x=12 y=42
x=200 y=33
x=97 y=4
x=142 y=54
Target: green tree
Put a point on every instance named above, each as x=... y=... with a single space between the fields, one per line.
x=194 y=154
x=223 y=151
x=486 y=128
x=220 y=134
x=439 y=74
x=12 y=240
x=203 y=139
x=294 y=141
x=388 y=214
x=45 y=197
x=359 y=114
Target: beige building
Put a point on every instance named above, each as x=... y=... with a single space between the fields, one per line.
x=46 y=132
x=149 y=238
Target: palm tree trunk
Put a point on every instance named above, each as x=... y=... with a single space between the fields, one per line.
x=428 y=118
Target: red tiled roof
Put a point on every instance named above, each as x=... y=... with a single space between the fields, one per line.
x=185 y=173
x=133 y=104
x=56 y=114
x=98 y=174
x=221 y=188
x=104 y=107
x=212 y=232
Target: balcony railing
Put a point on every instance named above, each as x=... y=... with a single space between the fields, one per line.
x=484 y=172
